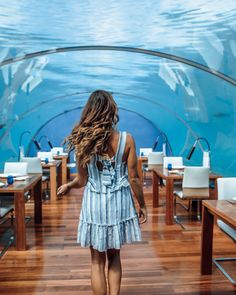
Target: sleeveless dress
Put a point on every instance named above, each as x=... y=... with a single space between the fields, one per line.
x=108 y=218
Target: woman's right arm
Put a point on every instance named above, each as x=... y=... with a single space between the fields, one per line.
x=79 y=181
x=134 y=180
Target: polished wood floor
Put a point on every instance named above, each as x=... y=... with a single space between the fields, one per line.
x=166 y=262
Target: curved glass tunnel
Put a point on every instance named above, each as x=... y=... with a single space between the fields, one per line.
x=156 y=95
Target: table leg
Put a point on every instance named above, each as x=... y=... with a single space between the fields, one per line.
x=59 y=175
x=64 y=170
x=155 y=189
x=20 y=227
x=38 y=202
x=53 y=183
x=169 y=201
x=214 y=191
x=207 y=241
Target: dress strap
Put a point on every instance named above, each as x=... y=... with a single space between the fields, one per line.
x=121 y=147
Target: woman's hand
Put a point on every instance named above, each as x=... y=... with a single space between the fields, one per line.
x=142 y=214
x=63 y=189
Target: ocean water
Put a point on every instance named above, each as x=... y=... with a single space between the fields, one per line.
x=171 y=62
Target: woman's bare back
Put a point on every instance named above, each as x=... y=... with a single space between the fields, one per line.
x=113 y=145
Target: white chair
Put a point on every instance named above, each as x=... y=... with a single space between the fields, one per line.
x=176 y=162
x=6 y=208
x=44 y=155
x=226 y=190
x=155 y=158
x=57 y=151
x=34 y=164
x=195 y=187
x=35 y=167
x=16 y=168
x=7 y=202
x=72 y=164
x=144 y=152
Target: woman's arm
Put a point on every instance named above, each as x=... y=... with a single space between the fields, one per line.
x=79 y=181
x=134 y=180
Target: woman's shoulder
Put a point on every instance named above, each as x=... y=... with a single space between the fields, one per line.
x=129 y=141
x=129 y=138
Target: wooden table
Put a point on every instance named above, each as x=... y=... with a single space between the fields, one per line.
x=55 y=169
x=18 y=188
x=158 y=173
x=223 y=210
x=141 y=160
x=64 y=161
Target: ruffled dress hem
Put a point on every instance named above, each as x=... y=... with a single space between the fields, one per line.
x=103 y=237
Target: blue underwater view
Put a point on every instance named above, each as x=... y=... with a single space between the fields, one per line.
x=169 y=64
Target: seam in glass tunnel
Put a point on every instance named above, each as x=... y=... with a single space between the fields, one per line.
x=128 y=49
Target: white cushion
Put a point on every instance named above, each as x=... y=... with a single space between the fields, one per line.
x=175 y=161
x=16 y=168
x=57 y=150
x=34 y=164
x=196 y=177
x=44 y=155
x=155 y=158
x=193 y=193
x=226 y=190
x=144 y=152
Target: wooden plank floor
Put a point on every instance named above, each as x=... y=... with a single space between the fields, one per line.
x=166 y=262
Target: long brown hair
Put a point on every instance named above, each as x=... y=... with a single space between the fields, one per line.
x=90 y=136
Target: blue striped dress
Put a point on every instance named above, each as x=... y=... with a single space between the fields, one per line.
x=108 y=218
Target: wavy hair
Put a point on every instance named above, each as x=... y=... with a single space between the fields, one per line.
x=91 y=135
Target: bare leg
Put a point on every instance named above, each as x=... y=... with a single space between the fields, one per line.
x=98 y=279
x=114 y=271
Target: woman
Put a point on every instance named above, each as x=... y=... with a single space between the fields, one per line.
x=107 y=166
